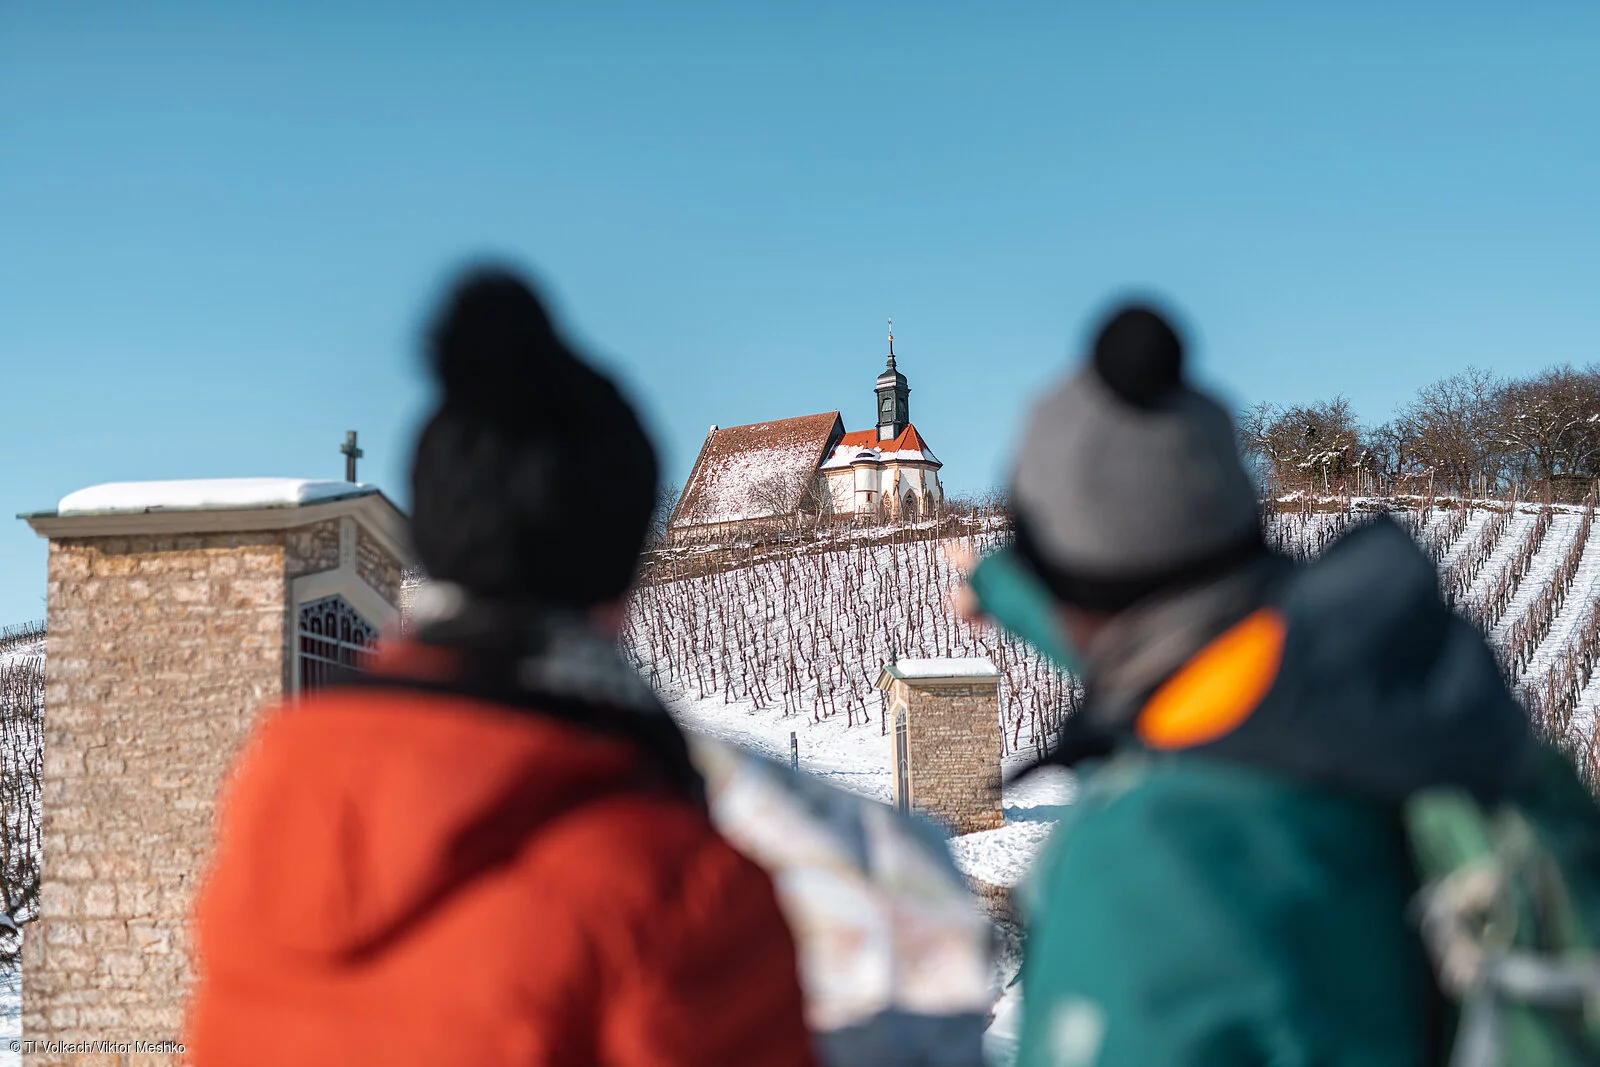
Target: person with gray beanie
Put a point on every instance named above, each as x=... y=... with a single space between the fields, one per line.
x=1231 y=885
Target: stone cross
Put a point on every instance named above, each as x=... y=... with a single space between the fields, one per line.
x=351 y=454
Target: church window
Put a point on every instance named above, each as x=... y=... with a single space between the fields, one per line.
x=334 y=639
x=909 y=512
x=902 y=761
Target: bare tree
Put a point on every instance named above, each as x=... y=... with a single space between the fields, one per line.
x=661 y=517
x=1550 y=423
x=791 y=500
x=816 y=499
x=1448 y=431
x=1317 y=446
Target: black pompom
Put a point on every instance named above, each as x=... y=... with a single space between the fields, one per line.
x=1138 y=354
x=534 y=480
x=493 y=343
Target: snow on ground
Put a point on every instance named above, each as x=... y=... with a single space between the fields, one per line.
x=1033 y=805
x=1436 y=517
x=857 y=758
x=1583 y=716
x=16 y=651
x=1510 y=541
x=852 y=757
x=10 y=1015
x=1475 y=523
x=1585 y=589
x=1563 y=528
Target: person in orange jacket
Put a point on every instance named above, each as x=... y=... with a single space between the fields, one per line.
x=494 y=849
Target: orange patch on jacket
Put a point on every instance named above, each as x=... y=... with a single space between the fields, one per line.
x=1217 y=690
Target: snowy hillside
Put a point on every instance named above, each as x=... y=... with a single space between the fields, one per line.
x=21 y=691
x=755 y=649
x=752 y=652
x=21 y=642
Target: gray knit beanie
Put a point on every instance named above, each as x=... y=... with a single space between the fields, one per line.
x=1129 y=481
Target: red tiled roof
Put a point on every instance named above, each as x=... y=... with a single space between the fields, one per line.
x=908 y=441
x=757 y=470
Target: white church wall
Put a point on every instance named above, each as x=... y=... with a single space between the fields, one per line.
x=842 y=488
x=860 y=489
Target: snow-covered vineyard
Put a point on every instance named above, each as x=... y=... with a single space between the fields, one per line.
x=21 y=731
x=803 y=634
x=760 y=646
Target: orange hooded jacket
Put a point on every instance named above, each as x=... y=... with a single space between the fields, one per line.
x=404 y=877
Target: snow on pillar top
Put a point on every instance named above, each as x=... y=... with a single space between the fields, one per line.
x=962 y=668
x=204 y=494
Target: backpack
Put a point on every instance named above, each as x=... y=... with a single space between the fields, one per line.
x=1509 y=911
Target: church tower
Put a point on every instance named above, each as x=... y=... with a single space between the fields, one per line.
x=894 y=397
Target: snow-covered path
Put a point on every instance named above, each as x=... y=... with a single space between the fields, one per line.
x=1475 y=523
x=1585 y=587
x=1563 y=528
x=1510 y=541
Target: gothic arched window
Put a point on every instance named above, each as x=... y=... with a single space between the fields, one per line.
x=334 y=639
x=902 y=761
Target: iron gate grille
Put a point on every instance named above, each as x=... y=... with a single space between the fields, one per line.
x=334 y=639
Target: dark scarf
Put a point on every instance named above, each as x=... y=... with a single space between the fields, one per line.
x=552 y=662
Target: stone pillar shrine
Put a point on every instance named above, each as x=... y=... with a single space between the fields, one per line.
x=945 y=716
x=176 y=610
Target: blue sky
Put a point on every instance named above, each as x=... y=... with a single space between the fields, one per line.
x=221 y=225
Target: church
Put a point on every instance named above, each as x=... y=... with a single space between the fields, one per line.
x=766 y=473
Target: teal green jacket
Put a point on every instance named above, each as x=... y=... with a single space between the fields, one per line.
x=1196 y=914
x=1232 y=884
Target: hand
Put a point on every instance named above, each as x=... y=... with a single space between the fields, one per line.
x=962 y=601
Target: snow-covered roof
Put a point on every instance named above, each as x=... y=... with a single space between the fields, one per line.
x=944 y=667
x=205 y=494
x=863 y=446
x=755 y=471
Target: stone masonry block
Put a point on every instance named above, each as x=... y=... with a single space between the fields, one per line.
x=146 y=637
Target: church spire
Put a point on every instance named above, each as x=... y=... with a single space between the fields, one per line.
x=894 y=397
